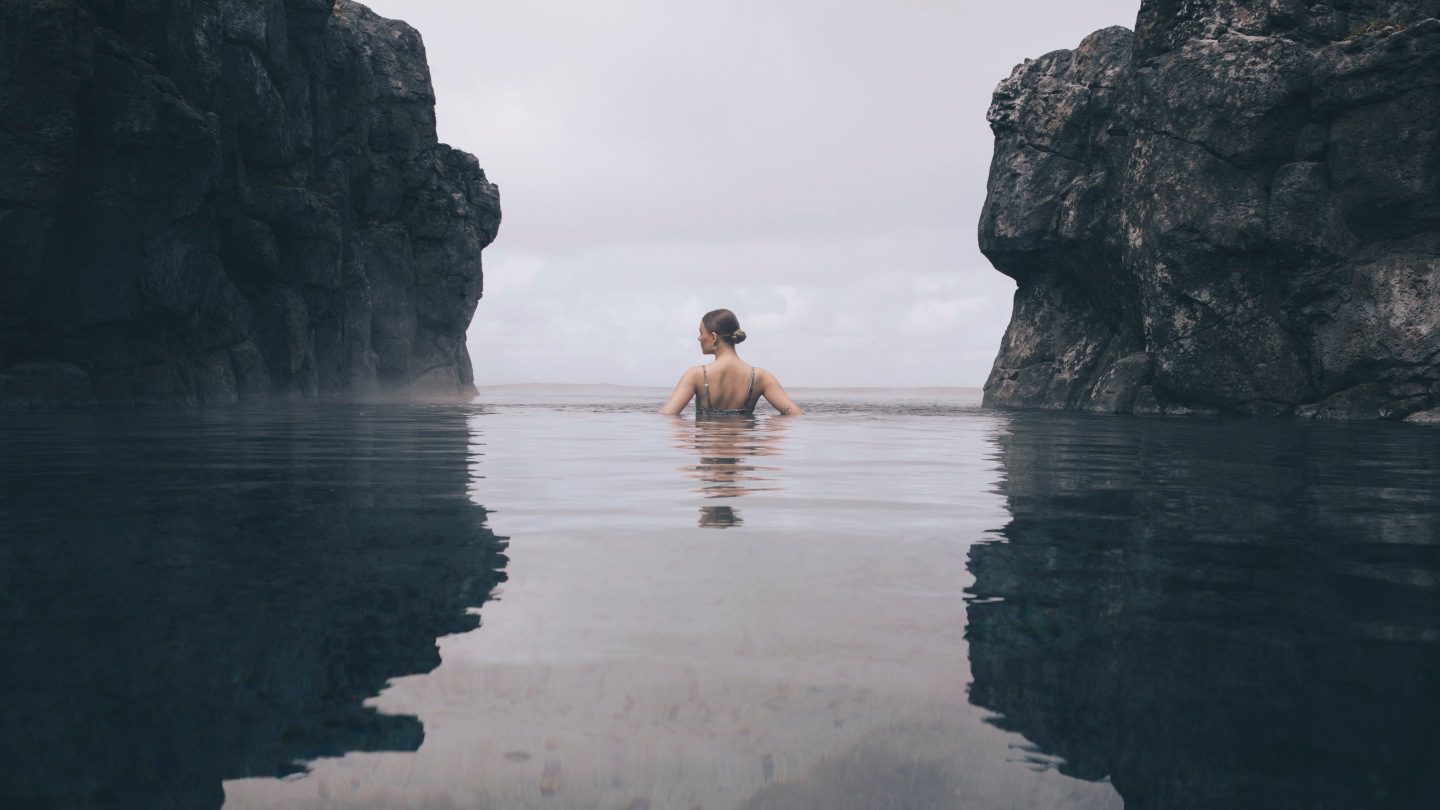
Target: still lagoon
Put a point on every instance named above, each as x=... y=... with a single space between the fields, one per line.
x=556 y=598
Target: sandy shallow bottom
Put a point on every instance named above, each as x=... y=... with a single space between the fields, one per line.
x=806 y=650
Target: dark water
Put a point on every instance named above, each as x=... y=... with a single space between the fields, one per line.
x=902 y=602
x=1218 y=614
x=186 y=599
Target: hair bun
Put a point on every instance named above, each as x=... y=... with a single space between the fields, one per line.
x=738 y=337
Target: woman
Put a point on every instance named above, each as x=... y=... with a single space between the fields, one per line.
x=728 y=385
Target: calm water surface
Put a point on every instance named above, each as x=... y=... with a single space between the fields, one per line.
x=559 y=599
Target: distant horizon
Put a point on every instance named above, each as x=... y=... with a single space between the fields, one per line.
x=796 y=387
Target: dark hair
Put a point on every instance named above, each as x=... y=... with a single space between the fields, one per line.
x=724 y=323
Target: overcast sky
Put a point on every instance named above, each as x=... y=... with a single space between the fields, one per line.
x=817 y=166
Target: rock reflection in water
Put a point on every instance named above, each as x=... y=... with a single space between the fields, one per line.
x=1218 y=614
x=197 y=597
x=725 y=446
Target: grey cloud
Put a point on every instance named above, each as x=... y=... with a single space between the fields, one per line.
x=654 y=156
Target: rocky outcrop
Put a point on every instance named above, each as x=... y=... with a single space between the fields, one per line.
x=204 y=202
x=1236 y=208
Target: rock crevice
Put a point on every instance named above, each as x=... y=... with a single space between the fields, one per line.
x=1234 y=208
x=205 y=202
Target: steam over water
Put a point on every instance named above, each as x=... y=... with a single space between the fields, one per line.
x=556 y=598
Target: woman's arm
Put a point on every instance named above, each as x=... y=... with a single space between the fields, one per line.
x=684 y=390
x=776 y=396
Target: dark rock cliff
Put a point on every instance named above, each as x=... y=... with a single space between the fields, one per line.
x=1236 y=208
x=211 y=200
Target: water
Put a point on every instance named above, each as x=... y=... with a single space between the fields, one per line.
x=558 y=599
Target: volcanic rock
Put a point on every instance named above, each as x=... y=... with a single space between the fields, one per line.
x=205 y=202
x=1233 y=209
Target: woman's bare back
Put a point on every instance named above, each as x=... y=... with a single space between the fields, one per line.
x=728 y=385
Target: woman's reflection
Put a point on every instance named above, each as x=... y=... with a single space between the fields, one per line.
x=725 y=446
x=720 y=517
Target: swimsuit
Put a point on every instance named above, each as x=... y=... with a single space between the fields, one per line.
x=745 y=410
